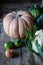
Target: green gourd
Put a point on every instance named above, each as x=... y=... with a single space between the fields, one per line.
x=34 y=10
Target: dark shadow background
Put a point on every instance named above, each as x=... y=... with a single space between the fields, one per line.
x=18 y=1
x=2 y=2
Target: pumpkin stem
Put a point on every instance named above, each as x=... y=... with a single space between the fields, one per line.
x=19 y=15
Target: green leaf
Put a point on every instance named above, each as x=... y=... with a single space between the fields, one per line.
x=29 y=37
x=34 y=29
x=29 y=34
x=29 y=45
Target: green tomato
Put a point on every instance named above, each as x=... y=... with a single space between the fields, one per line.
x=8 y=45
x=17 y=43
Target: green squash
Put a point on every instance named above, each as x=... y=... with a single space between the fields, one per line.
x=34 y=10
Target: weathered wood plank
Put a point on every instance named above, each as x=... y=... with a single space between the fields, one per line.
x=26 y=57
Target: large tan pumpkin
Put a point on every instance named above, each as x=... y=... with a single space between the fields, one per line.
x=15 y=23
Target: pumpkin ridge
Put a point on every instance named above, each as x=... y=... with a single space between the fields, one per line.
x=8 y=17
x=28 y=23
x=10 y=23
x=6 y=23
x=11 y=14
x=27 y=26
x=18 y=27
x=9 y=26
x=21 y=28
x=17 y=34
x=30 y=26
x=24 y=22
x=29 y=19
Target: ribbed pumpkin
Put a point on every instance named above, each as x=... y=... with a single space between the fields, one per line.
x=15 y=23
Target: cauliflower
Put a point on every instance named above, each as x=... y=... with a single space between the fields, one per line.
x=39 y=38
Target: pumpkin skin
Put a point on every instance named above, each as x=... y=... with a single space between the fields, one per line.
x=15 y=23
x=34 y=10
x=39 y=22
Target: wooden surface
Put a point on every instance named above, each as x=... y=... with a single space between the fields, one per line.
x=38 y=60
x=27 y=57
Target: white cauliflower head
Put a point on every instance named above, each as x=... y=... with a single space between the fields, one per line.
x=39 y=37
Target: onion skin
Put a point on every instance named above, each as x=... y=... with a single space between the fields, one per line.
x=9 y=53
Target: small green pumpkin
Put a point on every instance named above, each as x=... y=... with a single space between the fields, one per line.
x=34 y=10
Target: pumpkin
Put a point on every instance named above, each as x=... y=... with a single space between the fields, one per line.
x=39 y=22
x=34 y=10
x=15 y=23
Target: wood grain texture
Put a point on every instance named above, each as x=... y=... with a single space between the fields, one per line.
x=27 y=57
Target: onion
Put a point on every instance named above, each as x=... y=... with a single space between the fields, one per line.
x=9 y=53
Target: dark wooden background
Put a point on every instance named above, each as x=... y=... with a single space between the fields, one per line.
x=9 y=5
x=19 y=1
